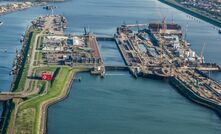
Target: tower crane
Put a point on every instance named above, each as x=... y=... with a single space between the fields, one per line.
x=201 y=53
x=164 y=25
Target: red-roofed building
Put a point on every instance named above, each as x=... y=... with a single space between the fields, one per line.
x=46 y=76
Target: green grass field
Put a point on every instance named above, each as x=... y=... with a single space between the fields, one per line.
x=29 y=113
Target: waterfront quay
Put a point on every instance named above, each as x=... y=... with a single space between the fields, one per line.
x=161 y=52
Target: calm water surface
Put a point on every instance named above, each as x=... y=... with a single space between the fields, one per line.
x=118 y=103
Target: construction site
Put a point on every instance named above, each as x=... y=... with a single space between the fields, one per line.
x=159 y=51
x=56 y=48
x=71 y=50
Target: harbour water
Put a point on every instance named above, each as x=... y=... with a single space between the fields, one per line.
x=118 y=103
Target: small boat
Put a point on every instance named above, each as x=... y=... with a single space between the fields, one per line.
x=1 y=23
x=219 y=31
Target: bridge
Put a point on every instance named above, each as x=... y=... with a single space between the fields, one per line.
x=116 y=67
x=105 y=38
x=4 y=96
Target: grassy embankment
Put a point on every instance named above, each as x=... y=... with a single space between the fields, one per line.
x=29 y=113
x=28 y=119
x=195 y=12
